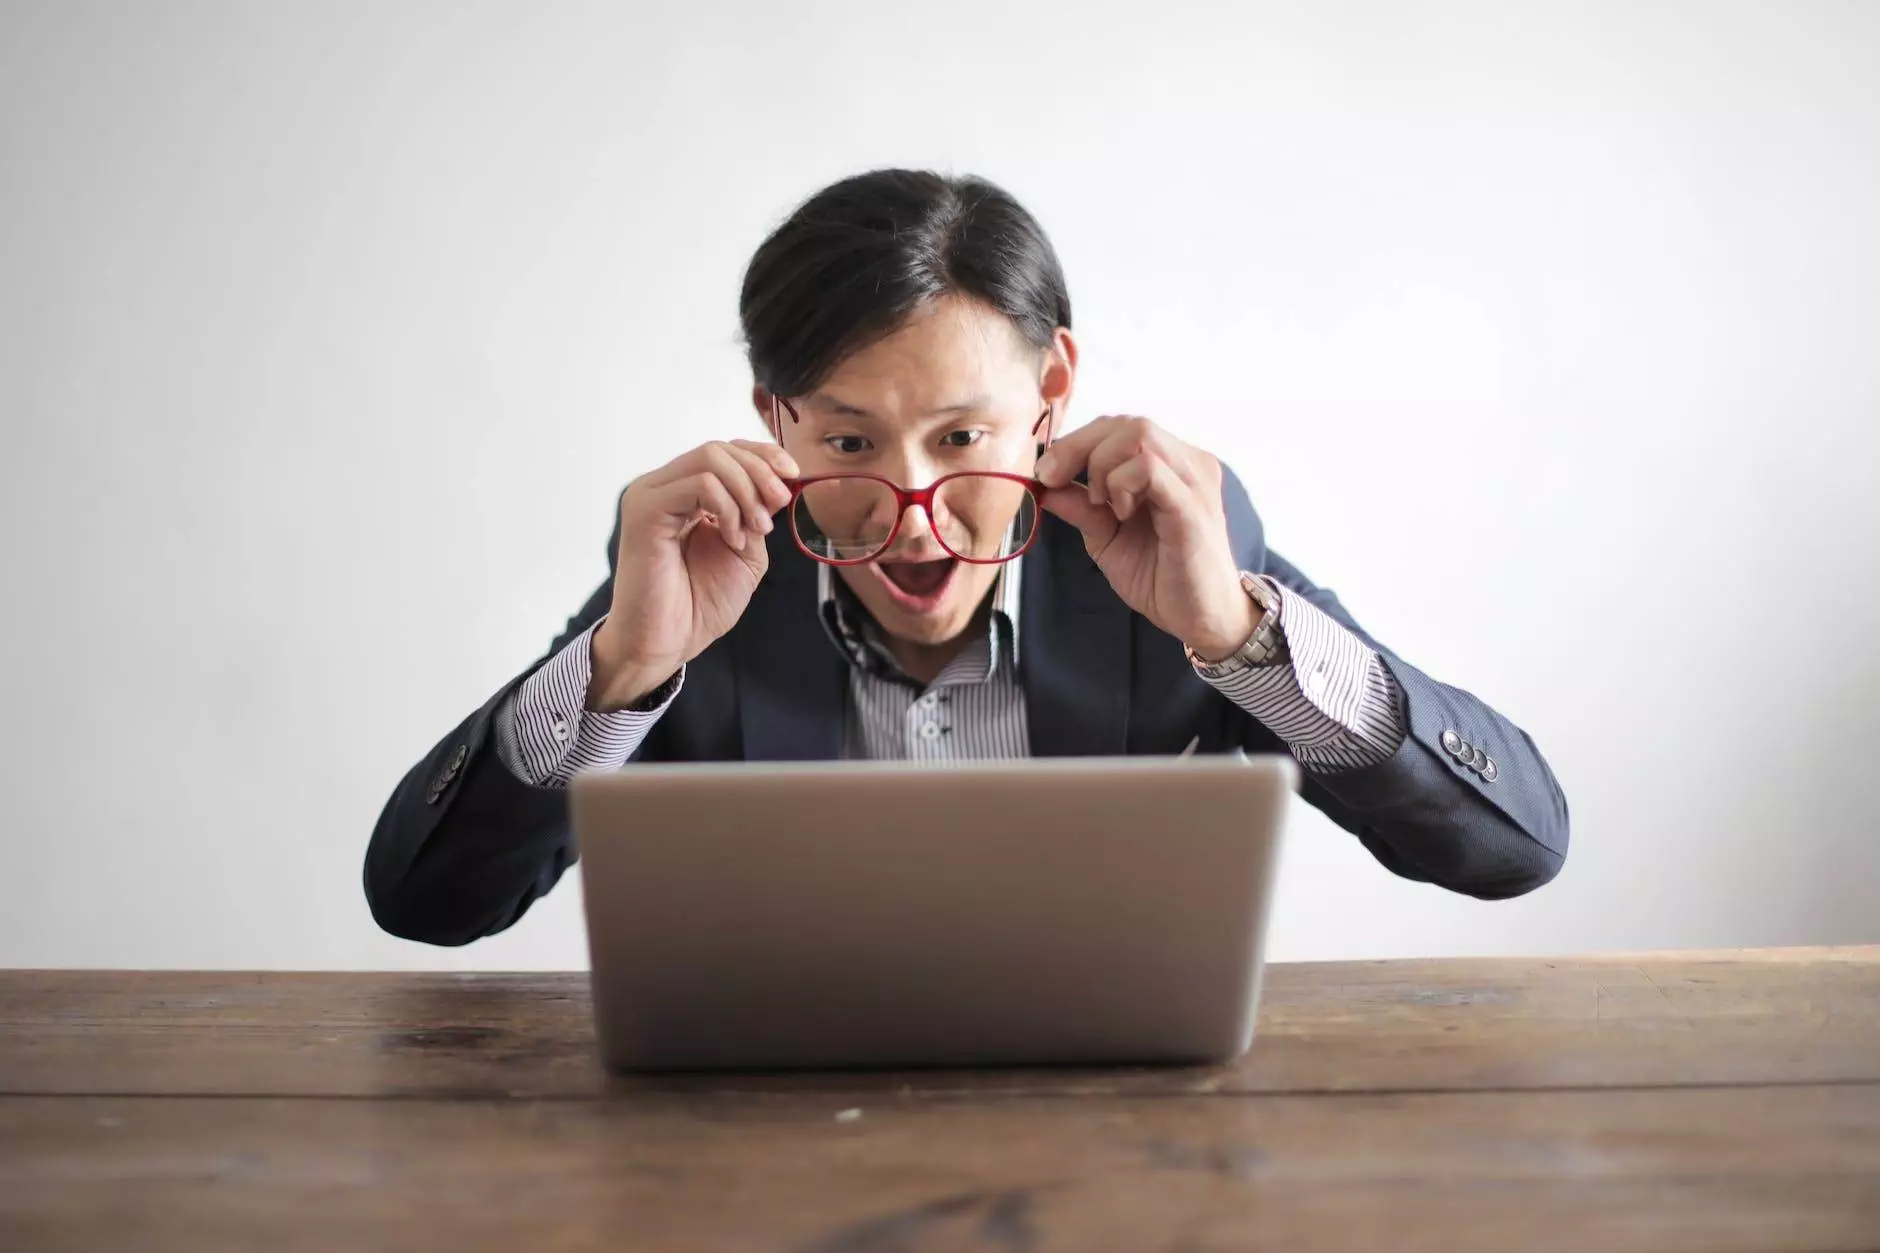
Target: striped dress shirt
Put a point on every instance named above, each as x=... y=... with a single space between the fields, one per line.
x=1331 y=698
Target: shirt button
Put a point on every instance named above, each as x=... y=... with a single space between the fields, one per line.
x=929 y=731
x=561 y=730
x=930 y=700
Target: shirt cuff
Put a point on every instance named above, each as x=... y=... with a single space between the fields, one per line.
x=1334 y=702
x=545 y=732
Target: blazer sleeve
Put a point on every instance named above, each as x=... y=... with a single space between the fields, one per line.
x=1424 y=812
x=463 y=847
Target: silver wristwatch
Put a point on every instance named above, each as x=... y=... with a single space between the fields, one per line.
x=1265 y=647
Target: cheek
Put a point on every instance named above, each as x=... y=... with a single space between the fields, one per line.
x=973 y=582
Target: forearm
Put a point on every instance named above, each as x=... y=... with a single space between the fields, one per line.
x=1433 y=814
x=1493 y=828
x=1436 y=784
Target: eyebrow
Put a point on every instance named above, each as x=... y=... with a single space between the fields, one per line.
x=844 y=409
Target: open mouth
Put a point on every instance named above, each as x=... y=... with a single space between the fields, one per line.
x=917 y=586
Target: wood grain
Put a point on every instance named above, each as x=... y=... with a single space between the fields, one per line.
x=1798 y=1016
x=1717 y=1169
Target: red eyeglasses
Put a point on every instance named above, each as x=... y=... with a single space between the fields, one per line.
x=978 y=516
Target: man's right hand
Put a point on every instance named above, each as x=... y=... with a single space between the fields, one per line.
x=692 y=549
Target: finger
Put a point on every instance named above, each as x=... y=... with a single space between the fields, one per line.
x=1182 y=460
x=733 y=471
x=1152 y=472
x=1193 y=466
x=1067 y=455
x=780 y=462
x=1123 y=484
x=703 y=493
x=1124 y=443
x=685 y=465
x=690 y=462
x=754 y=555
x=765 y=477
x=1074 y=505
x=1152 y=481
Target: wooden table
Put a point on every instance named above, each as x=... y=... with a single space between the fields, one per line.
x=1723 y=1100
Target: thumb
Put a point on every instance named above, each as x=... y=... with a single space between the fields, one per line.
x=1073 y=504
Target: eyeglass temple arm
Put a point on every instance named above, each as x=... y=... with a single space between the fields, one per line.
x=776 y=420
x=1044 y=420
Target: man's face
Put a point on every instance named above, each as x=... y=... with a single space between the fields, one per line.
x=955 y=389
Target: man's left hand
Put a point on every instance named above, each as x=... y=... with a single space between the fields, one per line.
x=1152 y=521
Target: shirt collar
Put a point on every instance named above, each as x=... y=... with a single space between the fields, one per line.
x=857 y=637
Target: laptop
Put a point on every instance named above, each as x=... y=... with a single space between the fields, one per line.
x=869 y=914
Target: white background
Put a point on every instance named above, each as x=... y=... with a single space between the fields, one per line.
x=1547 y=335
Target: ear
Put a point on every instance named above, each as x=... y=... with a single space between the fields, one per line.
x=762 y=401
x=1056 y=380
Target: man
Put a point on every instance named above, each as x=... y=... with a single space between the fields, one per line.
x=916 y=566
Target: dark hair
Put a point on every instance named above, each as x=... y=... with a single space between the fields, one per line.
x=856 y=259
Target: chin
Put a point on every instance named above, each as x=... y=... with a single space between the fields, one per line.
x=925 y=628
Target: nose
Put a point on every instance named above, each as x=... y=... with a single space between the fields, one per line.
x=916 y=537
x=907 y=466
x=916 y=532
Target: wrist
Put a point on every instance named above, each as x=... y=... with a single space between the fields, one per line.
x=1229 y=631
x=619 y=680
x=1264 y=644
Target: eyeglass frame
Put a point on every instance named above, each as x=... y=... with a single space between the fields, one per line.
x=906 y=498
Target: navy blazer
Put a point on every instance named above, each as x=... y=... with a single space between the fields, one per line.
x=463 y=847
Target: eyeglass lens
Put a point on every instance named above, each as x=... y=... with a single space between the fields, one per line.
x=979 y=517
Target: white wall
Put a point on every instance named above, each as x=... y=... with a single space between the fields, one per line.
x=1549 y=336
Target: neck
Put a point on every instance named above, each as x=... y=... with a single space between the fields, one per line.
x=924 y=662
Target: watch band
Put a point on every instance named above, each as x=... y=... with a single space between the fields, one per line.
x=1265 y=647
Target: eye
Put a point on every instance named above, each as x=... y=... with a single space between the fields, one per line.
x=847 y=445
x=962 y=439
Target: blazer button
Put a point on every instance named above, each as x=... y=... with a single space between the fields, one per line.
x=452 y=765
x=1477 y=759
x=1452 y=742
x=1489 y=771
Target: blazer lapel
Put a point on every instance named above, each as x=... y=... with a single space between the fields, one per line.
x=792 y=684
x=1074 y=650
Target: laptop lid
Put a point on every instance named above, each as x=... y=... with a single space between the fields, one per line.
x=857 y=914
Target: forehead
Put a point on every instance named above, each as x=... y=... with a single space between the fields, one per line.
x=953 y=353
